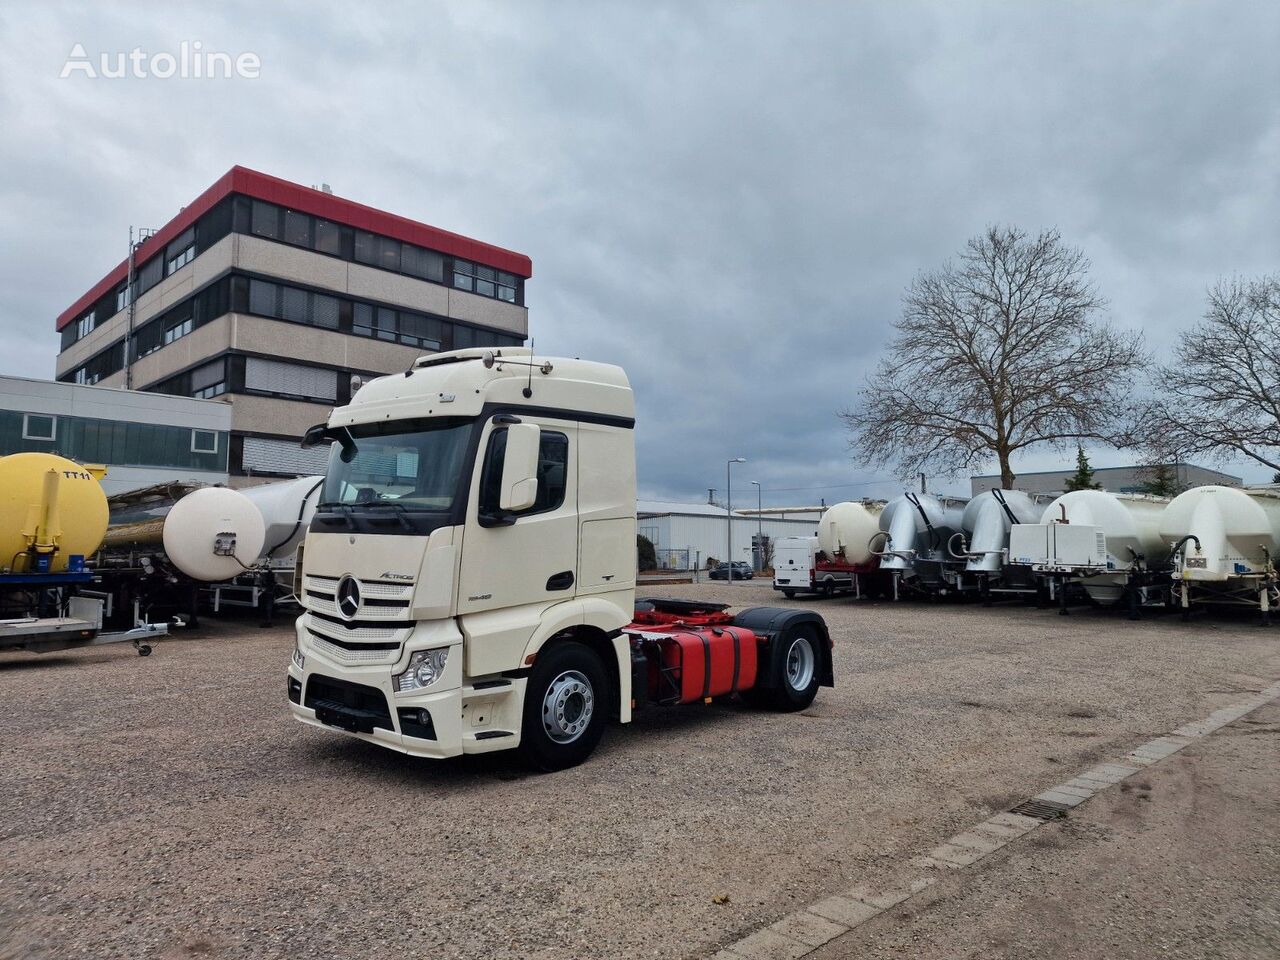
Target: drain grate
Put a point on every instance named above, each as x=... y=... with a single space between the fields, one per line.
x=1041 y=809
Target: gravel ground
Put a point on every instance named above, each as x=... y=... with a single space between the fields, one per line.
x=170 y=808
x=1181 y=861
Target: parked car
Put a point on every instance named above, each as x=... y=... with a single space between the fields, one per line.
x=741 y=571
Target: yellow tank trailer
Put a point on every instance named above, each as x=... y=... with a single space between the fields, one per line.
x=53 y=517
x=51 y=510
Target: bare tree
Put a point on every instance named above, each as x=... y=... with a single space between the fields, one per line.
x=1221 y=396
x=996 y=353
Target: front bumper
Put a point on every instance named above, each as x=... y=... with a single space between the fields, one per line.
x=360 y=700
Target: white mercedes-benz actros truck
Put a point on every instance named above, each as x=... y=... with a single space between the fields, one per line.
x=469 y=575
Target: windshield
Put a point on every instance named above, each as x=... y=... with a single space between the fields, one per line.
x=413 y=464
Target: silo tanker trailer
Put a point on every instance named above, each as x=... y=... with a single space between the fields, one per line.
x=1224 y=542
x=469 y=574
x=916 y=548
x=1107 y=543
x=984 y=546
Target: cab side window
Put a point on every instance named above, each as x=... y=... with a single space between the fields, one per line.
x=553 y=467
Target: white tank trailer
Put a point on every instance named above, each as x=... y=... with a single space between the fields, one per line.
x=1224 y=542
x=848 y=536
x=1110 y=543
x=986 y=522
x=918 y=530
x=847 y=532
x=166 y=545
x=287 y=508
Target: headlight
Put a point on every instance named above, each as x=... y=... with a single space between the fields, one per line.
x=299 y=660
x=425 y=668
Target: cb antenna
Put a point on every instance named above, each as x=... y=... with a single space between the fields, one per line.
x=528 y=388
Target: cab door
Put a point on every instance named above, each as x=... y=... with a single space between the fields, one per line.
x=513 y=569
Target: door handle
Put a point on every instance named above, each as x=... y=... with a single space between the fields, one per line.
x=560 y=581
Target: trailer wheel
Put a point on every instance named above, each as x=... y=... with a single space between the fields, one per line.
x=565 y=708
x=828 y=588
x=791 y=676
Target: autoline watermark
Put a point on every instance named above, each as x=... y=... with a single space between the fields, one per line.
x=189 y=62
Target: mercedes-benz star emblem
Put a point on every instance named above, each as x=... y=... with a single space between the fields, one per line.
x=348 y=597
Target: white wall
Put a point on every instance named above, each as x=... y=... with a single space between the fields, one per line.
x=708 y=535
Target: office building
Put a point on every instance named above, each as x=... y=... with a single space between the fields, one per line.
x=273 y=296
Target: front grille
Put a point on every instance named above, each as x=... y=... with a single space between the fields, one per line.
x=355 y=652
x=340 y=631
x=351 y=706
x=370 y=609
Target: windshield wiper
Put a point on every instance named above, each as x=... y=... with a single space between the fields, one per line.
x=344 y=508
x=402 y=512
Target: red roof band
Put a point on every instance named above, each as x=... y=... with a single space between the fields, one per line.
x=318 y=204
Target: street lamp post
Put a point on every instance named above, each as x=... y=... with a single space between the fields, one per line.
x=759 y=522
x=728 y=499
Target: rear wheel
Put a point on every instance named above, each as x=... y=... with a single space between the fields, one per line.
x=565 y=708
x=791 y=673
x=789 y=594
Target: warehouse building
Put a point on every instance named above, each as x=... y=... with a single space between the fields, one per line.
x=275 y=296
x=686 y=534
x=141 y=438
x=1114 y=479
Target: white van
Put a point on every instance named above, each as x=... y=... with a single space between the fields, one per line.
x=796 y=569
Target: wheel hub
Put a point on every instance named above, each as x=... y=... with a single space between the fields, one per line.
x=568 y=706
x=800 y=663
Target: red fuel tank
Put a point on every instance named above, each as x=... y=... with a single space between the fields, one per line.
x=701 y=662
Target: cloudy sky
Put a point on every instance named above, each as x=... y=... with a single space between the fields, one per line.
x=726 y=198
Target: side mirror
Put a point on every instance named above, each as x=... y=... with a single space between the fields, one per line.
x=520 y=468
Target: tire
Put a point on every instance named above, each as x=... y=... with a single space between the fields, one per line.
x=791 y=675
x=828 y=588
x=789 y=594
x=568 y=682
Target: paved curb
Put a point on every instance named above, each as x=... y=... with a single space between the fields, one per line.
x=799 y=934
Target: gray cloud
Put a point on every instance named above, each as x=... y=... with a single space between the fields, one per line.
x=727 y=199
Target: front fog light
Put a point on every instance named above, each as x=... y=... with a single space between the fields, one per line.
x=299 y=660
x=425 y=668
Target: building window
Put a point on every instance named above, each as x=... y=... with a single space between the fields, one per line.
x=389 y=254
x=38 y=426
x=204 y=441
x=297 y=228
x=177 y=325
x=328 y=238
x=149 y=274
x=182 y=251
x=485 y=281
x=424 y=264
x=290 y=380
x=122 y=297
x=209 y=381
x=266 y=220
x=262 y=298
x=366 y=248
x=84 y=326
x=325 y=311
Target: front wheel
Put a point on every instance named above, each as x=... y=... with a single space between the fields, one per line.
x=790 y=678
x=565 y=708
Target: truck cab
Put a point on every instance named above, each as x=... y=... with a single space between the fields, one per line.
x=468 y=578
